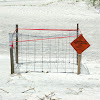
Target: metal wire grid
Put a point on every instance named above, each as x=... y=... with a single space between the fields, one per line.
x=51 y=55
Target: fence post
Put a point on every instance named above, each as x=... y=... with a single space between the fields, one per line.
x=77 y=36
x=78 y=55
x=16 y=44
x=79 y=63
x=11 y=53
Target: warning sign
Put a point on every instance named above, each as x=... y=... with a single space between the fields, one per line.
x=80 y=44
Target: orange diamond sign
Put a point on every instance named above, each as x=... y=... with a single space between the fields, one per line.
x=80 y=44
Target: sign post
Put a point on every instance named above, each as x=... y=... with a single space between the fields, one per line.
x=79 y=63
x=77 y=37
x=80 y=44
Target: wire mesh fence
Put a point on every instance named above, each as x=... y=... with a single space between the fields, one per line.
x=45 y=51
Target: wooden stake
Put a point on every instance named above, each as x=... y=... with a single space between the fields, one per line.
x=17 y=44
x=79 y=63
x=11 y=54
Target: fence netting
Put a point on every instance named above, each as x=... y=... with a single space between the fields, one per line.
x=45 y=51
